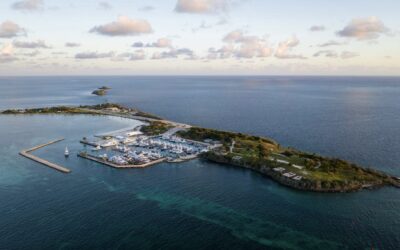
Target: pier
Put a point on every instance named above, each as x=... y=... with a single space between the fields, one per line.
x=113 y=165
x=26 y=153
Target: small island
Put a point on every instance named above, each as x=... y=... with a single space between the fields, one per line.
x=161 y=140
x=101 y=91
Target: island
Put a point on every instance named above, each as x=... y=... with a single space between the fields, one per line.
x=101 y=91
x=158 y=140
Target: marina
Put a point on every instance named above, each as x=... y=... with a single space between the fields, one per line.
x=110 y=164
x=26 y=153
x=133 y=149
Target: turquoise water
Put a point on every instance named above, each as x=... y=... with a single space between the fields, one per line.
x=198 y=205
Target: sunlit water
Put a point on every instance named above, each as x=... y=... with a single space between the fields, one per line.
x=199 y=205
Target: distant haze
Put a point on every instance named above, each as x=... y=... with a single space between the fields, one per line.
x=199 y=37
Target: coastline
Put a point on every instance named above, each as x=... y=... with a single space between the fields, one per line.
x=266 y=156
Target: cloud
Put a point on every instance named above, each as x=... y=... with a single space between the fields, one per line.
x=285 y=47
x=348 y=54
x=72 y=45
x=7 y=53
x=94 y=55
x=240 y=45
x=28 y=5
x=40 y=44
x=124 y=26
x=7 y=49
x=364 y=29
x=147 y=8
x=174 y=53
x=135 y=56
x=334 y=54
x=326 y=53
x=30 y=54
x=233 y=36
x=331 y=43
x=10 y=29
x=160 y=43
x=138 y=55
x=7 y=59
x=201 y=6
x=105 y=6
x=138 y=45
x=317 y=28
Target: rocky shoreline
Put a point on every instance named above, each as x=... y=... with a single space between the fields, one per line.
x=285 y=165
x=304 y=185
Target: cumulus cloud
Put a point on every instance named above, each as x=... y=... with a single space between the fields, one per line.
x=331 y=43
x=174 y=53
x=160 y=43
x=201 y=6
x=233 y=36
x=364 y=29
x=138 y=55
x=240 y=45
x=28 y=5
x=7 y=53
x=284 y=49
x=7 y=49
x=40 y=44
x=124 y=26
x=94 y=55
x=10 y=29
x=72 y=45
x=135 y=56
x=317 y=28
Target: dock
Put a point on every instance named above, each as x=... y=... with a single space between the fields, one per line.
x=26 y=153
x=88 y=143
x=110 y=164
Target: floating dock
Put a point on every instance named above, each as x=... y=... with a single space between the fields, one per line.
x=26 y=153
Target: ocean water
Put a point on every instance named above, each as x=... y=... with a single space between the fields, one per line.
x=197 y=204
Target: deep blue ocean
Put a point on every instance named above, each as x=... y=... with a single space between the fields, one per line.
x=197 y=204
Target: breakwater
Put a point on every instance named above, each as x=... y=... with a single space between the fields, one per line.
x=26 y=153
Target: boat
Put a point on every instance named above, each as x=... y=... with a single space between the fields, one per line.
x=66 y=153
x=96 y=148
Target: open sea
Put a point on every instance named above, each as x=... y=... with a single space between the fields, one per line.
x=197 y=204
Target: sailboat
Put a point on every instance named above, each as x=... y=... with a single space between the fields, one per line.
x=66 y=153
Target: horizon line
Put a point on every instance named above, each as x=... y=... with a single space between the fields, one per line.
x=199 y=75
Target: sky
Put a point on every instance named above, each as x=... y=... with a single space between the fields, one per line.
x=199 y=37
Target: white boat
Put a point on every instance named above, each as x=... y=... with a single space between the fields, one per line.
x=66 y=153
